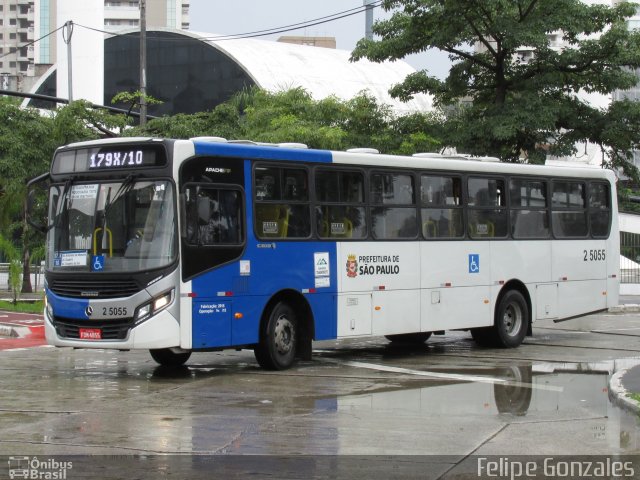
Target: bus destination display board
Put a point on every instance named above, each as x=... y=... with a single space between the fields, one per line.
x=109 y=158
x=124 y=159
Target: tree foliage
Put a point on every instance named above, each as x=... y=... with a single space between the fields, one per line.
x=294 y=116
x=13 y=257
x=515 y=106
x=28 y=139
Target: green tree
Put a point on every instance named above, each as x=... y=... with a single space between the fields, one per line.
x=28 y=140
x=26 y=145
x=13 y=256
x=294 y=116
x=515 y=106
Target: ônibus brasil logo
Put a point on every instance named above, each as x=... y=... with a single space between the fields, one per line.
x=47 y=469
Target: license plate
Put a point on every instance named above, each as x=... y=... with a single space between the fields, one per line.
x=90 y=334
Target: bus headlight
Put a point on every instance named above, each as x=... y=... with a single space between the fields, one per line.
x=143 y=312
x=162 y=301
x=156 y=305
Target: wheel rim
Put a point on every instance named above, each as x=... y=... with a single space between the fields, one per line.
x=512 y=319
x=284 y=335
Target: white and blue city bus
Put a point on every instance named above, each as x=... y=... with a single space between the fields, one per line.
x=196 y=245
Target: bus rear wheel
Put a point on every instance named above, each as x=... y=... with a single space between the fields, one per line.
x=511 y=323
x=412 y=338
x=168 y=358
x=512 y=320
x=278 y=344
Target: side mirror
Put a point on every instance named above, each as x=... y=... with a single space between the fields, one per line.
x=34 y=186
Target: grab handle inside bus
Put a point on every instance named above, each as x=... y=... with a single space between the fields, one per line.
x=182 y=205
x=95 y=240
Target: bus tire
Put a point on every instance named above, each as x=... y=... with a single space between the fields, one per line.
x=511 y=320
x=483 y=336
x=277 y=347
x=413 y=338
x=168 y=358
x=514 y=398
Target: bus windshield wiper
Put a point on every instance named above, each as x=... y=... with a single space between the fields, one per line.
x=124 y=188
x=63 y=198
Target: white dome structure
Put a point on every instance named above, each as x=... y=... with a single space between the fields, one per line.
x=192 y=72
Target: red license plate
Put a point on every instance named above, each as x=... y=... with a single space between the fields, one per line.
x=90 y=334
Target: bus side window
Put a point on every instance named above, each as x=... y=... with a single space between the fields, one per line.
x=441 y=206
x=599 y=209
x=340 y=211
x=529 y=208
x=487 y=213
x=569 y=213
x=214 y=216
x=282 y=207
x=400 y=221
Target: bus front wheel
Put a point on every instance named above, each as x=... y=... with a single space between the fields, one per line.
x=277 y=347
x=168 y=358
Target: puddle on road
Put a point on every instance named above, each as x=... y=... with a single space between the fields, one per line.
x=334 y=408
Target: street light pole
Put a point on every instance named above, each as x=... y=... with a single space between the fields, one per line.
x=143 y=63
x=67 y=32
x=368 y=30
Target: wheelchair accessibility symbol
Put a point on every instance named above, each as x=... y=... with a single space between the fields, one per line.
x=474 y=263
x=97 y=263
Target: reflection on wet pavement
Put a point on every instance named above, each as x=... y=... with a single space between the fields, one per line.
x=363 y=399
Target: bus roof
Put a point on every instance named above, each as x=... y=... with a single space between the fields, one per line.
x=362 y=157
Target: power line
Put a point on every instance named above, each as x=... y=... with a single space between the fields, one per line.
x=254 y=34
x=296 y=26
x=48 y=98
x=32 y=42
x=265 y=32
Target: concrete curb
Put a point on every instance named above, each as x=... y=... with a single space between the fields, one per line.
x=627 y=308
x=14 y=331
x=7 y=331
x=619 y=395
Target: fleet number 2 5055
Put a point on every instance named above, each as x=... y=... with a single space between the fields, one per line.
x=594 y=255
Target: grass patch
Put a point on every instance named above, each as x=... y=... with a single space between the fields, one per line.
x=635 y=396
x=23 y=307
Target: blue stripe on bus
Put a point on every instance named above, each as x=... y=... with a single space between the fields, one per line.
x=274 y=266
x=259 y=152
x=281 y=266
x=68 y=307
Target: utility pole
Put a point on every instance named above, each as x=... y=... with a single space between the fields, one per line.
x=368 y=21
x=67 y=32
x=143 y=63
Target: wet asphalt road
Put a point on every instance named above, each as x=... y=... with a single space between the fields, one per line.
x=355 y=398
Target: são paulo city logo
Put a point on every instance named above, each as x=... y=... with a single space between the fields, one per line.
x=372 y=265
x=352 y=266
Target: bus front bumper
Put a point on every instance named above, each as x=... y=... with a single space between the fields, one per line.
x=159 y=331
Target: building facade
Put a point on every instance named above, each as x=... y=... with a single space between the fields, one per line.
x=16 y=31
x=190 y=72
x=26 y=21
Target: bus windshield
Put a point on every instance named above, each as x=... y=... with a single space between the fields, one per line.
x=126 y=226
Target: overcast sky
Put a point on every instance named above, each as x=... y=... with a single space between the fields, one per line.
x=242 y=16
